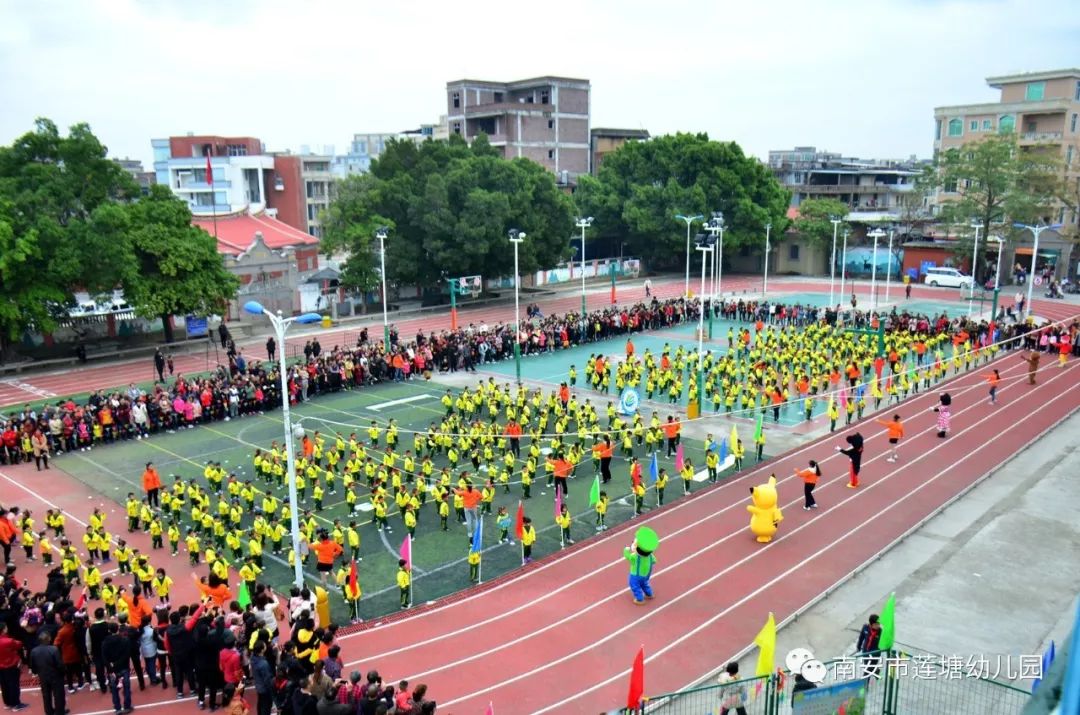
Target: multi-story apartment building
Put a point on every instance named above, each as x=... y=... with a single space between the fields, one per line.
x=242 y=171
x=873 y=189
x=1043 y=109
x=145 y=179
x=545 y=119
x=603 y=141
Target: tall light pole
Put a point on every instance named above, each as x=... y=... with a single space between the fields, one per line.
x=888 y=272
x=705 y=244
x=875 y=234
x=974 y=258
x=715 y=227
x=1035 y=231
x=689 y=221
x=765 y=282
x=381 y=234
x=997 y=275
x=843 y=267
x=835 y=221
x=516 y=237
x=281 y=326
x=583 y=223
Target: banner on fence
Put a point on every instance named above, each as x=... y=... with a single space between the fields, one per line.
x=196 y=327
x=846 y=697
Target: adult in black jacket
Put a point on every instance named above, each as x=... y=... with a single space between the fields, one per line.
x=182 y=649
x=263 y=675
x=117 y=653
x=46 y=664
x=303 y=702
x=209 y=640
x=98 y=631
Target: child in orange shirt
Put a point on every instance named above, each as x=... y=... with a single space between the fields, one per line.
x=896 y=432
x=810 y=478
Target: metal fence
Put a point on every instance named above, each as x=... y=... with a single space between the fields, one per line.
x=896 y=683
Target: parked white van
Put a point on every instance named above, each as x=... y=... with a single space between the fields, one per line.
x=947 y=278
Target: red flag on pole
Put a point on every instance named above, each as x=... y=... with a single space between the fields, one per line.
x=81 y=600
x=354 y=581
x=406 y=551
x=519 y=522
x=637 y=681
x=209 y=171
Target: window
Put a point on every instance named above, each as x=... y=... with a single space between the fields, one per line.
x=956 y=127
x=1077 y=96
x=498 y=97
x=237 y=150
x=1072 y=123
x=793 y=251
x=1068 y=155
x=937 y=129
x=544 y=97
x=1006 y=123
x=974 y=126
x=457 y=127
x=988 y=124
x=551 y=153
x=950 y=187
x=551 y=123
x=1035 y=91
x=456 y=99
x=1032 y=127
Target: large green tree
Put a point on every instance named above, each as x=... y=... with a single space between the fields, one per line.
x=448 y=206
x=642 y=186
x=50 y=185
x=815 y=220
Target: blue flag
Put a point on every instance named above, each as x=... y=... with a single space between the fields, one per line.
x=654 y=470
x=478 y=536
x=723 y=451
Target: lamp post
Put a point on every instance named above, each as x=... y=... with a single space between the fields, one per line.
x=835 y=221
x=583 y=223
x=715 y=227
x=843 y=268
x=1035 y=231
x=875 y=234
x=974 y=258
x=689 y=221
x=997 y=276
x=888 y=272
x=707 y=245
x=454 y=283
x=516 y=237
x=281 y=326
x=381 y=234
x=765 y=281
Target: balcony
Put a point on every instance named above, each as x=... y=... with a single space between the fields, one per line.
x=1037 y=137
x=498 y=108
x=836 y=189
x=189 y=184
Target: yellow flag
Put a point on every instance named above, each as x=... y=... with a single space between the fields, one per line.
x=734 y=439
x=765 y=640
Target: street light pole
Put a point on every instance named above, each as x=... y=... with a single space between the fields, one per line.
x=516 y=237
x=843 y=268
x=832 y=264
x=765 y=282
x=715 y=226
x=974 y=258
x=997 y=276
x=888 y=272
x=1035 y=231
x=689 y=221
x=706 y=245
x=382 y=234
x=875 y=234
x=583 y=223
x=281 y=326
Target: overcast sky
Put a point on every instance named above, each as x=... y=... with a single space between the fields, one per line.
x=854 y=76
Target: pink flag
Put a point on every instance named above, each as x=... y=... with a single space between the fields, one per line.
x=843 y=398
x=678 y=458
x=406 y=551
x=490 y=710
x=558 y=502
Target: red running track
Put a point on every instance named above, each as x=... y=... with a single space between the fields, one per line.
x=24 y=388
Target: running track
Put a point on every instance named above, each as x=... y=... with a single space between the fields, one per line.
x=32 y=386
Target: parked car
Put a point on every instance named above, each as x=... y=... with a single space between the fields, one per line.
x=947 y=278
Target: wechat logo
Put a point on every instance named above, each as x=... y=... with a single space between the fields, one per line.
x=801 y=661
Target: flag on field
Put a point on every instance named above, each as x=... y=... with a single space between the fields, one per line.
x=678 y=458
x=558 y=502
x=81 y=600
x=843 y=398
x=723 y=452
x=734 y=443
x=594 y=493
x=637 y=681
x=519 y=521
x=888 y=624
x=490 y=710
x=765 y=640
x=209 y=171
x=406 y=551
x=478 y=536
x=759 y=427
x=353 y=586
x=242 y=595
x=1047 y=661
x=654 y=469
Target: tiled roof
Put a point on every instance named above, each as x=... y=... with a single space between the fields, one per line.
x=236 y=232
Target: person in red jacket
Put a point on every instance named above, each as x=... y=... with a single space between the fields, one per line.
x=232 y=668
x=70 y=655
x=10 y=660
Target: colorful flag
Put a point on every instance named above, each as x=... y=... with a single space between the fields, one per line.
x=594 y=493
x=81 y=600
x=678 y=458
x=354 y=581
x=519 y=522
x=723 y=453
x=843 y=398
x=888 y=624
x=478 y=536
x=759 y=427
x=654 y=469
x=734 y=443
x=765 y=640
x=209 y=171
x=406 y=551
x=637 y=681
x=490 y=710
x=558 y=502
x=242 y=595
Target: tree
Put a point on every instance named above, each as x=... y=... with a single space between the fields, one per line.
x=449 y=206
x=174 y=268
x=996 y=183
x=815 y=220
x=50 y=186
x=642 y=185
